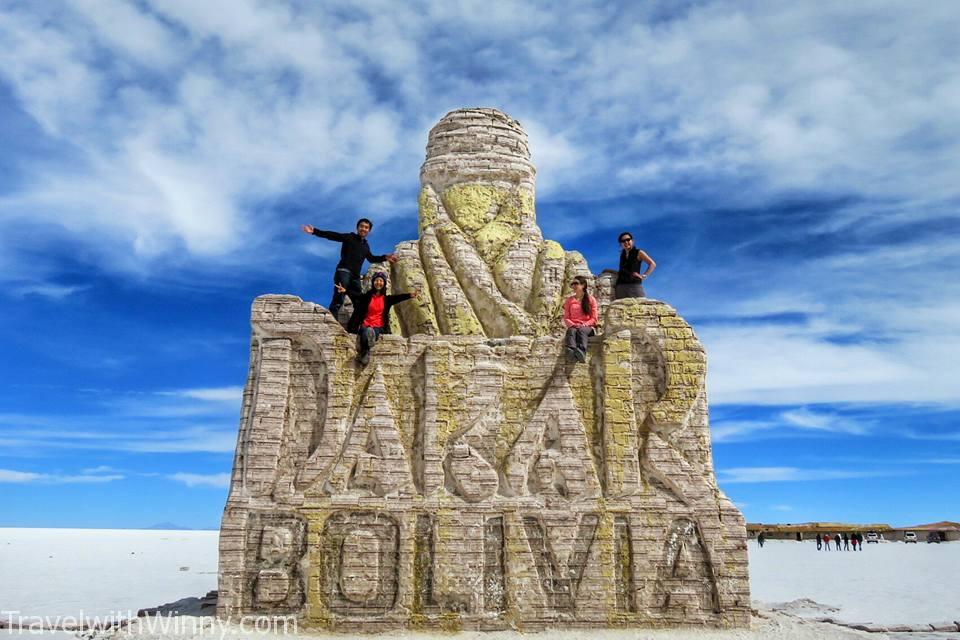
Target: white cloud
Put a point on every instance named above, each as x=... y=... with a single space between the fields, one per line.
x=189 y=114
x=100 y=469
x=804 y=418
x=180 y=124
x=782 y=507
x=181 y=421
x=218 y=480
x=214 y=394
x=792 y=423
x=8 y=475
x=49 y=290
x=23 y=477
x=744 y=475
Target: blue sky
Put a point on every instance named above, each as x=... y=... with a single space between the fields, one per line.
x=792 y=167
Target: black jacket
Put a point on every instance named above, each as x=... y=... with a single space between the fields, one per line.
x=362 y=303
x=353 y=252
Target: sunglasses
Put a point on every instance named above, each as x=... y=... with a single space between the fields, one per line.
x=623 y=240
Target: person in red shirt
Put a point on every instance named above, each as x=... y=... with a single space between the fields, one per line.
x=580 y=316
x=371 y=314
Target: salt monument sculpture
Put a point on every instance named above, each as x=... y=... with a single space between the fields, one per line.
x=469 y=476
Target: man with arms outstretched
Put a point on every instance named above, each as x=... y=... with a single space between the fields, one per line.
x=353 y=252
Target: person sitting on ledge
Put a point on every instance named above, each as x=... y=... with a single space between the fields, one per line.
x=629 y=279
x=371 y=313
x=580 y=313
x=352 y=254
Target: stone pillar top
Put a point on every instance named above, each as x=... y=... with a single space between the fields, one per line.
x=477 y=145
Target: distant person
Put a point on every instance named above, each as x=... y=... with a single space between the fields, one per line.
x=846 y=542
x=859 y=540
x=836 y=540
x=629 y=278
x=826 y=542
x=819 y=542
x=580 y=314
x=760 y=540
x=353 y=252
x=371 y=314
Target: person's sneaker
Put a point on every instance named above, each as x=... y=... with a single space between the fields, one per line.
x=581 y=356
x=365 y=359
x=571 y=354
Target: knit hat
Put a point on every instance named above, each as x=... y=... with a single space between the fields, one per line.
x=379 y=274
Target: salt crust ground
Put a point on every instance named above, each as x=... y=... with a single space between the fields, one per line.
x=66 y=572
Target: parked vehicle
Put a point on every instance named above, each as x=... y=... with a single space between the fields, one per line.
x=932 y=537
x=910 y=536
x=872 y=536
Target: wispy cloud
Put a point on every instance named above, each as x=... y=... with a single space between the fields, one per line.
x=24 y=477
x=104 y=468
x=722 y=95
x=49 y=290
x=181 y=421
x=744 y=475
x=949 y=436
x=790 y=423
x=216 y=394
x=217 y=480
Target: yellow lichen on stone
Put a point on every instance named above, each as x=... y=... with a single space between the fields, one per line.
x=449 y=401
x=316 y=612
x=427 y=209
x=415 y=316
x=454 y=313
x=607 y=559
x=471 y=205
x=619 y=424
x=493 y=239
x=553 y=250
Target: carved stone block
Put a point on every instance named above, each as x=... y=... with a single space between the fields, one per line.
x=469 y=476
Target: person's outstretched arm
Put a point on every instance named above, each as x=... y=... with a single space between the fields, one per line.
x=387 y=257
x=329 y=235
x=400 y=297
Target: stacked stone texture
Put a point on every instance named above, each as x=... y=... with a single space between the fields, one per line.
x=469 y=477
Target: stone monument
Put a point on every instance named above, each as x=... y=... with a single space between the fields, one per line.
x=469 y=476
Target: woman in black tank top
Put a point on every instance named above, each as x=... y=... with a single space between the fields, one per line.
x=629 y=278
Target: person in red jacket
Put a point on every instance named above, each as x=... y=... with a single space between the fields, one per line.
x=371 y=313
x=826 y=542
x=580 y=316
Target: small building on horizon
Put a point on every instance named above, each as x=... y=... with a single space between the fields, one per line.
x=945 y=530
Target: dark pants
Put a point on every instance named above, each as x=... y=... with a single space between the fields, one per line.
x=629 y=290
x=366 y=339
x=351 y=283
x=576 y=338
